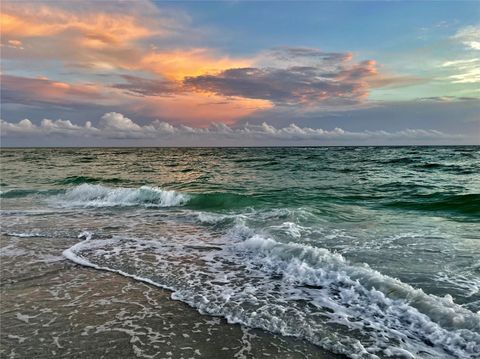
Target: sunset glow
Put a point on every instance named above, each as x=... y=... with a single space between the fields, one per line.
x=165 y=61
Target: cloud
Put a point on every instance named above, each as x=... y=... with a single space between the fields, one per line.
x=470 y=76
x=447 y=99
x=294 y=85
x=117 y=122
x=29 y=91
x=26 y=127
x=153 y=66
x=140 y=48
x=469 y=36
x=148 y=87
x=74 y=34
x=13 y=44
x=176 y=64
x=461 y=63
x=140 y=37
x=331 y=78
x=84 y=22
x=197 y=109
x=287 y=56
x=117 y=126
x=147 y=98
x=465 y=70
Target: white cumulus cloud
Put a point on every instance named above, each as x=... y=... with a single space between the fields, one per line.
x=114 y=125
x=117 y=121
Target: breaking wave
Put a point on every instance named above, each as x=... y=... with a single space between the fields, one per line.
x=96 y=195
x=296 y=290
x=89 y=195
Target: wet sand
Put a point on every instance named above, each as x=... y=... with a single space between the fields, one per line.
x=53 y=308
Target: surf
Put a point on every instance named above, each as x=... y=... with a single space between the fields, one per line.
x=295 y=290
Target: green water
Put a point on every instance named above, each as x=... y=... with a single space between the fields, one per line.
x=377 y=249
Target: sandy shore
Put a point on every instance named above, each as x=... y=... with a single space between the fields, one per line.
x=53 y=308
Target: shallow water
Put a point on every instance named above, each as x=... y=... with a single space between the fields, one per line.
x=366 y=252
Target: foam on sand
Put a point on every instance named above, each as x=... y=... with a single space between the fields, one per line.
x=296 y=290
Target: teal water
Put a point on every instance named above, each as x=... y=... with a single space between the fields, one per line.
x=367 y=251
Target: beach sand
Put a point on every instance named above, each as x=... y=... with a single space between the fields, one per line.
x=53 y=308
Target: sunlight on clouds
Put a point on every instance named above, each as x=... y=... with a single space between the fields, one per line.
x=42 y=21
x=13 y=44
x=31 y=90
x=469 y=36
x=318 y=78
x=195 y=109
x=470 y=76
x=199 y=109
x=102 y=40
x=117 y=121
x=466 y=71
x=138 y=58
x=460 y=63
x=116 y=125
x=177 y=64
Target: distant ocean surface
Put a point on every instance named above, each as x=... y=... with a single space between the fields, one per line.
x=362 y=251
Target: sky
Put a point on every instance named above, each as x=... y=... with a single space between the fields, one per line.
x=239 y=73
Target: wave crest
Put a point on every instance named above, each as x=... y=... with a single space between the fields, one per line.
x=88 y=195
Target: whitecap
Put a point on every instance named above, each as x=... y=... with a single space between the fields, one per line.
x=89 y=195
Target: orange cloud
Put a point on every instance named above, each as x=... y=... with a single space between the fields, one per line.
x=28 y=91
x=94 y=29
x=100 y=40
x=177 y=64
x=191 y=85
x=187 y=108
x=198 y=110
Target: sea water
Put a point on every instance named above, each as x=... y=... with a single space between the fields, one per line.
x=362 y=251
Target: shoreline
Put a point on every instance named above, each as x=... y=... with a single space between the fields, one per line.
x=70 y=310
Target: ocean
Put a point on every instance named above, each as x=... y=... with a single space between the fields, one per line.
x=322 y=252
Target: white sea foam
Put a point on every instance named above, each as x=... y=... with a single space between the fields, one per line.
x=88 y=195
x=294 y=289
x=469 y=286
x=25 y=234
x=310 y=263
